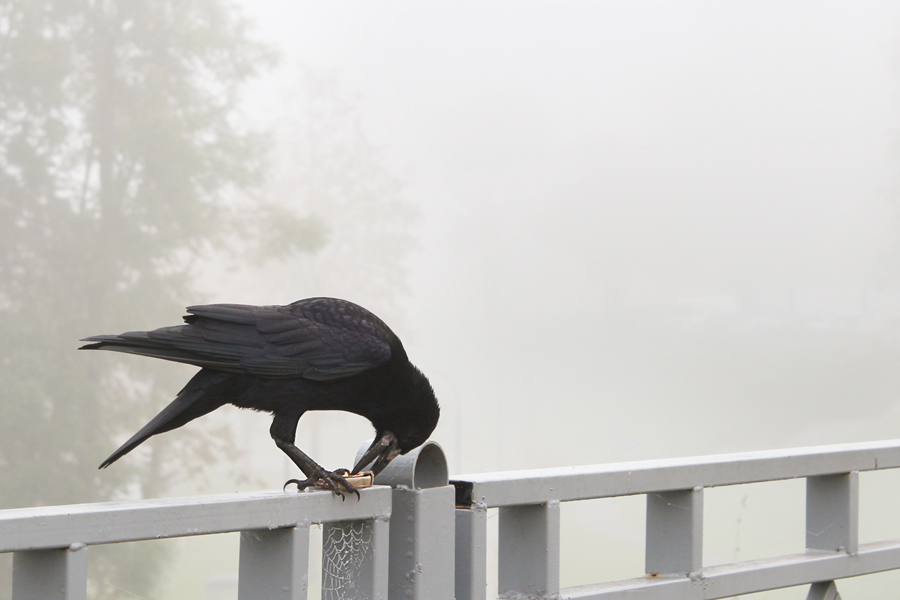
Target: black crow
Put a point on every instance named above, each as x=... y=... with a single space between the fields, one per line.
x=314 y=354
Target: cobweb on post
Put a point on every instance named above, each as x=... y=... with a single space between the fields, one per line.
x=346 y=560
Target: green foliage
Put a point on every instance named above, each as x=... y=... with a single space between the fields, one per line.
x=286 y=233
x=119 y=148
x=117 y=145
x=327 y=166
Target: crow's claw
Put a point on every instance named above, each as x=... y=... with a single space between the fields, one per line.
x=324 y=482
x=332 y=479
x=327 y=480
x=300 y=484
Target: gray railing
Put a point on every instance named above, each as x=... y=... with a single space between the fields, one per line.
x=529 y=541
x=417 y=542
x=410 y=524
x=51 y=545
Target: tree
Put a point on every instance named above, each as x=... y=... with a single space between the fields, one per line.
x=328 y=168
x=325 y=166
x=119 y=147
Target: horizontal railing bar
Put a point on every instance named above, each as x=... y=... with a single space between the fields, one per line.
x=725 y=581
x=133 y=520
x=511 y=488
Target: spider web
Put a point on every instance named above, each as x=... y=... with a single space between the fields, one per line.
x=346 y=549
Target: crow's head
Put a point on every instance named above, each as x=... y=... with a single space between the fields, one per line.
x=404 y=429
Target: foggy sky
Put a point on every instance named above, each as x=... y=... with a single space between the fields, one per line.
x=687 y=149
x=582 y=164
x=647 y=229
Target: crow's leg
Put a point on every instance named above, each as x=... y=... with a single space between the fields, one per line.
x=283 y=431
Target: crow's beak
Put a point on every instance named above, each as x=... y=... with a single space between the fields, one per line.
x=383 y=450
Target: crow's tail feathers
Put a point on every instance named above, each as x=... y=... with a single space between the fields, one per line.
x=192 y=402
x=161 y=343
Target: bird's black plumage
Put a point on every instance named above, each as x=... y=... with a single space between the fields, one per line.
x=313 y=354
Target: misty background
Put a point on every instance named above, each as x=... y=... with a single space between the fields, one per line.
x=605 y=231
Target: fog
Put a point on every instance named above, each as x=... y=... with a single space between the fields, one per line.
x=605 y=231
x=608 y=190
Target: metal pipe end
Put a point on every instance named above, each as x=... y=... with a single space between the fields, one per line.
x=424 y=467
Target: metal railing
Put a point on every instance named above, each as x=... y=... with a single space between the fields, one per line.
x=529 y=525
x=411 y=524
x=427 y=540
x=51 y=544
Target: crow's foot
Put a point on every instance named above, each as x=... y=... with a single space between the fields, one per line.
x=327 y=480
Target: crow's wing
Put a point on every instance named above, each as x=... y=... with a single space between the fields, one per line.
x=317 y=338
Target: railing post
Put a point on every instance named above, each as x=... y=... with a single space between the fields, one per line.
x=422 y=544
x=832 y=513
x=823 y=590
x=529 y=551
x=471 y=553
x=422 y=524
x=274 y=565
x=674 y=532
x=50 y=574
